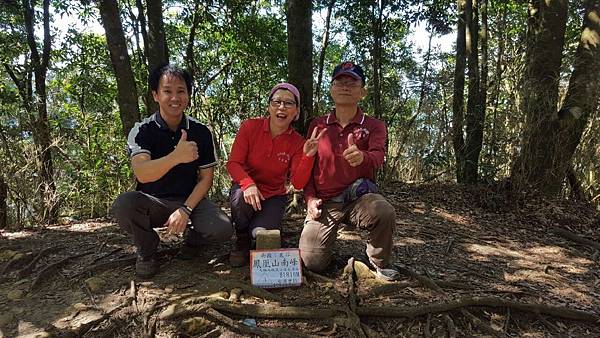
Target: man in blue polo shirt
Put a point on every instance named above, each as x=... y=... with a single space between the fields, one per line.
x=173 y=158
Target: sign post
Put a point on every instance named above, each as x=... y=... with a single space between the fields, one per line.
x=275 y=268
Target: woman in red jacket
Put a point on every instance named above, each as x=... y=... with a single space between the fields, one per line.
x=266 y=152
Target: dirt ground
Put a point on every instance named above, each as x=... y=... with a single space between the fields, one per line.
x=473 y=265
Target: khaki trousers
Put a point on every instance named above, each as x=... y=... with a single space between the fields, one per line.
x=371 y=212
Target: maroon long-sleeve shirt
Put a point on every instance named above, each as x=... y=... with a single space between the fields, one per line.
x=332 y=173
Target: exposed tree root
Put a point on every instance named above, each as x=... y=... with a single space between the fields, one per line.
x=427 y=330
x=317 y=277
x=575 y=238
x=51 y=269
x=353 y=319
x=246 y=288
x=240 y=328
x=149 y=324
x=84 y=328
x=27 y=269
x=395 y=287
x=270 y=311
x=118 y=263
x=481 y=325
x=414 y=311
x=369 y=331
x=429 y=283
x=186 y=306
x=15 y=262
x=291 y=312
x=106 y=255
x=450 y=326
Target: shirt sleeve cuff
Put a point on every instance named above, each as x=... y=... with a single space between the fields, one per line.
x=246 y=182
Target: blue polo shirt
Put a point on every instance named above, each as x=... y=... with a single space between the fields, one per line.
x=153 y=137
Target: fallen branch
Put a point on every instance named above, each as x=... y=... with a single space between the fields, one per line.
x=575 y=238
x=51 y=269
x=27 y=269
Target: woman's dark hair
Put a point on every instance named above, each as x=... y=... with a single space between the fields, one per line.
x=168 y=69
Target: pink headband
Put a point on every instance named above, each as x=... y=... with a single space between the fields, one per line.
x=290 y=87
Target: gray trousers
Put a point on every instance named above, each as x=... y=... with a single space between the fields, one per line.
x=371 y=212
x=138 y=214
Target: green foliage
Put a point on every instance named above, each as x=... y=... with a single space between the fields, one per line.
x=239 y=53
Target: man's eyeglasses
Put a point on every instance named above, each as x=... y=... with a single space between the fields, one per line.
x=286 y=104
x=347 y=84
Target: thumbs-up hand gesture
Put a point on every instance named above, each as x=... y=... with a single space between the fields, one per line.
x=313 y=208
x=185 y=151
x=352 y=154
x=312 y=144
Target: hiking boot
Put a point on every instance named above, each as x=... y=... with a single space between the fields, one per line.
x=188 y=252
x=388 y=273
x=240 y=253
x=146 y=267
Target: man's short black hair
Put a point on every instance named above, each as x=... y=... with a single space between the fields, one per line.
x=168 y=69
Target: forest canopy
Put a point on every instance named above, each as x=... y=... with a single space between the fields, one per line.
x=514 y=102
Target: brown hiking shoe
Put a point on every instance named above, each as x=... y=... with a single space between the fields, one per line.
x=240 y=253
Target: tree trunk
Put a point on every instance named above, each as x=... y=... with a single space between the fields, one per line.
x=474 y=118
x=497 y=83
x=143 y=30
x=117 y=47
x=41 y=127
x=458 y=99
x=424 y=82
x=546 y=32
x=376 y=53
x=189 y=58
x=581 y=99
x=3 y=205
x=158 y=52
x=140 y=30
x=300 y=66
x=324 y=45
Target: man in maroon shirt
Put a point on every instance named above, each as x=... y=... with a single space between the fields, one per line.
x=341 y=188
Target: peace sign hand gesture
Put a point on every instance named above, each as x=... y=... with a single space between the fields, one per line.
x=311 y=145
